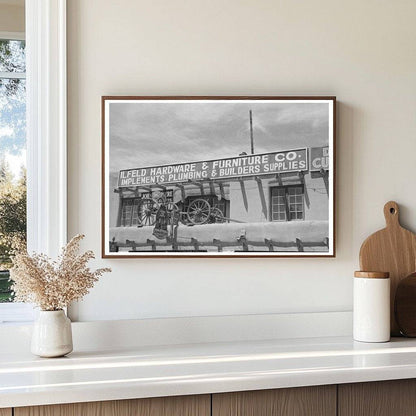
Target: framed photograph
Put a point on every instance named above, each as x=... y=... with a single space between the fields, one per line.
x=218 y=176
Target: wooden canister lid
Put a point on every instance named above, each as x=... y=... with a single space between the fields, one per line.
x=372 y=275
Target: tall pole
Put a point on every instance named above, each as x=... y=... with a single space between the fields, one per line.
x=251 y=133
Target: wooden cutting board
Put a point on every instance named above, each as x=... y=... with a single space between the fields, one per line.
x=393 y=250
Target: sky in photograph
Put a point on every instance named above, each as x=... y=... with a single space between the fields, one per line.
x=148 y=134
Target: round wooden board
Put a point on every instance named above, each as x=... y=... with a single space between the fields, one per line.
x=405 y=306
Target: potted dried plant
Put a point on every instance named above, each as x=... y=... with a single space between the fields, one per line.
x=52 y=286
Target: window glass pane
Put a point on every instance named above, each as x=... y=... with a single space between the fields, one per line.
x=296 y=203
x=12 y=157
x=293 y=195
x=135 y=213
x=278 y=208
x=12 y=56
x=126 y=212
x=13 y=120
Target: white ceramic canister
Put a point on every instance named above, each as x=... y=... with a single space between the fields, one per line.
x=371 y=313
x=52 y=334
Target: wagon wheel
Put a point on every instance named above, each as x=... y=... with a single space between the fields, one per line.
x=198 y=211
x=217 y=216
x=147 y=211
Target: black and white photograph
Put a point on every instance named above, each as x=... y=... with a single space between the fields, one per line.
x=227 y=176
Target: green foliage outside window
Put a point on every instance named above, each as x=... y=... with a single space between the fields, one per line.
x=12 y=223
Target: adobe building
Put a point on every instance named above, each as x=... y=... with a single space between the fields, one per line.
x=275 y=201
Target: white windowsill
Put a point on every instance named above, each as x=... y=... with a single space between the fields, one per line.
x=16 y=313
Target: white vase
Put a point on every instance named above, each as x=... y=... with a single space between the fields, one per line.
x=52 y=334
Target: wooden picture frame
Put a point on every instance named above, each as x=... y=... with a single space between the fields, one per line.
x=215 y=176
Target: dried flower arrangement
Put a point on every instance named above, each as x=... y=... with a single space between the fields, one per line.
x=53 y=285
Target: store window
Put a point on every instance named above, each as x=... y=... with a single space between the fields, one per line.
x=287 y=203
x=129 y=212
x=133 y=210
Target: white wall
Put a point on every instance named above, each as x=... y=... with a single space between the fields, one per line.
x=361 y=51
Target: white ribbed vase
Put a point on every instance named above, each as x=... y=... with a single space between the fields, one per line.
x=52 y=334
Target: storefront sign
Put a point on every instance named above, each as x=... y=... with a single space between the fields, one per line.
x=247 y=165
x=319 y=159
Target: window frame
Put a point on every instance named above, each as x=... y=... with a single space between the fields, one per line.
x=286 y=188
x=272 y=204
x=46 y=125
x=46 y=137
x=133 y=205
x=302 y=203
